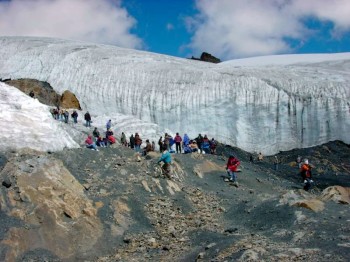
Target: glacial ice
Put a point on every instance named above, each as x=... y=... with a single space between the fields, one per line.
x=266 y=104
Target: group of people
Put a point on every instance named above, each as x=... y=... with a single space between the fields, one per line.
x=63 y=115
x=199 y=144
x=97 y=140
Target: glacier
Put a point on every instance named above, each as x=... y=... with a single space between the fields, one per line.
x=265 y=104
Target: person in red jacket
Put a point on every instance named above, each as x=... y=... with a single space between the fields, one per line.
x=178 y=141
x=232 y=167
x=90 y=143
x=305 y=172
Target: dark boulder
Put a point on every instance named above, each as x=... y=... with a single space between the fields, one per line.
x=206 y=57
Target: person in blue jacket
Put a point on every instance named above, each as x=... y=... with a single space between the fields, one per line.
x=166 y=159
x=186 y=140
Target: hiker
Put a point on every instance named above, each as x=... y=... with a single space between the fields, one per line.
x=123 y=140
x=147 y=148
x=260 y=157
x=61 y=115
x=138 y=142
x=251 y=158
x=87 y=118
x=132 y=141
x=109 y=124
x=178 y=141
x=193 y=145
x=199 y=141
x=160 y=144
x=186 y=140
x=90 y=143
x=171 y=143
x=153 y=146
x=206 y=145
x=74 y=115
x=298 y=160
x=276 y=162
x=56 y=113
x=101 y=141
x=166 y=141
x=213 y=145
x=110 y=137
x=66 y=116
x=305 y=172
x=232 y=167
x=52 y=111
x=187 y=149
x=96 y=133
x=166 y=159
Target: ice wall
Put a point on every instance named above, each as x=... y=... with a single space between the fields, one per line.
x=267 y=108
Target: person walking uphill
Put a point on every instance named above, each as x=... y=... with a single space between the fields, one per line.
x=166 y=159
x=178 y=141
x=305 y=172
x=232 y=167
x=109 y=124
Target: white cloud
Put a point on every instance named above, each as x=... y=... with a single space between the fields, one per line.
x=99 y=21
x=242 y=28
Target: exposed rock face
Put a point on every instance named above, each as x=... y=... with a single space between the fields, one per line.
x=44 y=92
x=209 y=58
x=337 y=194
x=206 y=57
x=69 y=100
x=51 y=202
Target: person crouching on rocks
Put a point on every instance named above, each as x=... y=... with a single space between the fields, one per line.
x=305 y=172
x=90 y=143
x=232 y=167
x=147 y=148
x=166 y=159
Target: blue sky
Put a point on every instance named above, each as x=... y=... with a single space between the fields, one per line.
x=227 y=29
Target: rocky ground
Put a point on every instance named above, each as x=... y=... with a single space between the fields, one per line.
x=111 y=205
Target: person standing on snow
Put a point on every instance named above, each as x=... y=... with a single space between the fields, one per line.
x=232 y=167
x=109 y=124
x=87 y=118
x=75 y=116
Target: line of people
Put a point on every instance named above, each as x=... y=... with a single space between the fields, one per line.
x=199 y=144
